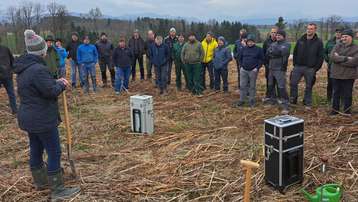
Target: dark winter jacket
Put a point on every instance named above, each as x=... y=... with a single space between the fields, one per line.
x=170 y=43
x=148 y=43
x=6 y=63
x=265 y=46
x=72 y=49
x=137 y=45
x=238 y=49
x=38 y=92
x=308 y=53
x=251 y=58
x=122 y=57
x=342 y=66
x=328 y=49
x=104 y=49
x=159 y=54
x=222 y=57
x=52 y=61
x=278 y=54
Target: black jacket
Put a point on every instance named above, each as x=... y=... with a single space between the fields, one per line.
x=309 y=52
x=122 y=57
x=137 y=45
x=170 y=43
x=104 y=49
x=265 y=46
x=72 y=49
x=148 y=43
x=38 y=92
x=6 y=62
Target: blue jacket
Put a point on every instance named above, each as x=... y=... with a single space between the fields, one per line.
x=222 y=57
x=122 y=57
x=251 y=58
x=238 y=49
x=38 y=91
x=62 y=54
x=87 y=53
x=159 y=55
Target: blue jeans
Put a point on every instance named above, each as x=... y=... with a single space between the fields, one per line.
x=62 y=72
x=74 y=68
x=162 y=76
x=9 y=86
x=89 y=70
x=49 y=141
x=122 y=78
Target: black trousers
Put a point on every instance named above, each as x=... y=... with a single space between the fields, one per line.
x=342 y=90
x=276 y=90
x=138 y=57
x=329 y=85
x=103 y=65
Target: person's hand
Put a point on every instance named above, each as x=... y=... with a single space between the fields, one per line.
x=64 y=81
x=336 y=54
x=254 y=70
x=350 y=58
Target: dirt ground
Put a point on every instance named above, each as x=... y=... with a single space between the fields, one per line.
x=194 y=154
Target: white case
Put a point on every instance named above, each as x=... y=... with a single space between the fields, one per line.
x=142 y=115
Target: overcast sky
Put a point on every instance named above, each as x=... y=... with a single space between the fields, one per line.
x=209 y=9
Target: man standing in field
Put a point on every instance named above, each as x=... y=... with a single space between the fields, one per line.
x=148 y=43
x=87 y=56
x=327 y=51
x=278 y=54
x=191 y=56
x=251 y=61
x=270 y=40
x=209 y=45
x=179 y=66
x=52 y=59
x=160 y=55
x=6 y=76
x=344 y=72
x=105 y=49
x=307 y=60
x=72 y=50
x=170 y=40
x=239 y=45
x=136 y=43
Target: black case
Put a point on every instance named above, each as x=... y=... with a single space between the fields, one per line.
x=284 y=141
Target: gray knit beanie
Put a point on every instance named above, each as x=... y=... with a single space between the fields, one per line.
x=35 y=44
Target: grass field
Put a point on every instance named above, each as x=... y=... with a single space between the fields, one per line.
x=194 y=153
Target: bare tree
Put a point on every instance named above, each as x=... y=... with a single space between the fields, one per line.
x=297 y=28
x=52 y=10
x=95 y=14
x=27 y=13
x=332 y=23
x=62 y=18
x=38 y=12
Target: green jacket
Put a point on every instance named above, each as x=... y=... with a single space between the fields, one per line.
x=52 y=61
x=192 y=53
x=328 y=49
x=176 y=51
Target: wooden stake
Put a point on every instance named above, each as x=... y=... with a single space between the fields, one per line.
x=249 y=165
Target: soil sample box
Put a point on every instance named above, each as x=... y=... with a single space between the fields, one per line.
x=142 y=115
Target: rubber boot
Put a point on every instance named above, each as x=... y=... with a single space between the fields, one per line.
x=39 y=176
x=58 y=191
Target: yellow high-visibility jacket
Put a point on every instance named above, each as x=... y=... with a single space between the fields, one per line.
x=209 y=49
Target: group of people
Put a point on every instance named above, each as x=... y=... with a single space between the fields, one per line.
x=41 y=77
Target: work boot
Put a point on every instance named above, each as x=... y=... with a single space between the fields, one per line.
x=58 y=191
x=39 y=176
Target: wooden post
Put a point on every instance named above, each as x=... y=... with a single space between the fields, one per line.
x=249 y=165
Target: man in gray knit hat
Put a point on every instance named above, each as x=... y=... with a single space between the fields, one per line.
x=38 y=115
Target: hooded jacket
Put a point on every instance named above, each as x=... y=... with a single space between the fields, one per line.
x=308 y=53
x=137 y=45
x=72 y=49
x=251 y=58
x=104 y=49
x=62 y=54
x=122 y=57
x=87 y=53
x=159 y=54
x=209 y=49
x=192 y=53
x=6 y=62
x=278 y=54
x=38 y=92
x=222 y=57
x=342 y=67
